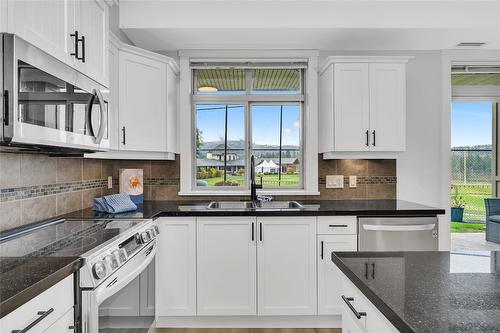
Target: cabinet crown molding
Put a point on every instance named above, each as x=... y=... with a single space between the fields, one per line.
x=363 y=59
x=144 y=53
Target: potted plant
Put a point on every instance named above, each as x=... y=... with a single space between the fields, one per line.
x=457 y=206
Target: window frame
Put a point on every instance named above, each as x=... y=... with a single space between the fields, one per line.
x=247 y=99
x=309 y=113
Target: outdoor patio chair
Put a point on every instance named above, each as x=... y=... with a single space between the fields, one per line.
x=492 y=220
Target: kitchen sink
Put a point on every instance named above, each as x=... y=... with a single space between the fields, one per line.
x=230 y=205
x=249 y=205
x=285 y=205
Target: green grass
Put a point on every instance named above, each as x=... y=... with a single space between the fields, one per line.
x=269 y=180
x=467 y=227
x=474 y=196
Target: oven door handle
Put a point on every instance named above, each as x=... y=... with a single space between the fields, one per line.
x=112 y=285
x=416 y=227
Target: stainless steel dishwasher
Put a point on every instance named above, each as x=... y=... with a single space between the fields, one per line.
x=398 y=234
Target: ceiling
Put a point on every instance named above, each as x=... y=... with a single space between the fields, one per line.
x=312 y=24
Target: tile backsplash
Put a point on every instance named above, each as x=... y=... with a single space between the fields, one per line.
x=36 y=187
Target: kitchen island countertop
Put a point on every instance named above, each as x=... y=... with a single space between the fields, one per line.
x=424 y=292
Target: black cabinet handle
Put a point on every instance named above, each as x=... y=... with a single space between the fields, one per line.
x=367 y=138
x=75 y=45
x=348 y=301
x=83 y=49
x=123 y=133
x=253 y=236
x=260 y=231
x=338 y=225
x=42 y=315
x=6 y=107
x=373 y=133
x=366 y=270
x=322 y=248
x=373 y=270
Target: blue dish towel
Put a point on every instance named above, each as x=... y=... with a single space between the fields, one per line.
x=115 y=203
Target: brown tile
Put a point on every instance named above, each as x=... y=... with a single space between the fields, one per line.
x=10 y=215
x=10 y=170
x=147 y=192
x=38 y=169
x=91 y=169
x=37 y=209
x=89 y=195
x=326 y=167
x=381 y=191
x=108 y=191
x=69 y=169
x=382 y=167
x=107 y=168
x=69 y=202
x=328 y=193
x=348 y=193
x=164 y=192
x=165 y=169
x=326 y=330
x=352 y=167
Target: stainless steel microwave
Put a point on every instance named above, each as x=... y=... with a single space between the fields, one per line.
x=48 y=106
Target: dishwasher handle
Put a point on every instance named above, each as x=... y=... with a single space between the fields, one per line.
x=416 y=227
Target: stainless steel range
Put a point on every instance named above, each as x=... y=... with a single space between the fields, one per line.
x=112 y=265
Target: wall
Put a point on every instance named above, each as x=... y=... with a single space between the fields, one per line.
x=114 y=25
x=37 y=187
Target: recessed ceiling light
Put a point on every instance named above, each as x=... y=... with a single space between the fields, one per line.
x=470 y=44
x=207 y=89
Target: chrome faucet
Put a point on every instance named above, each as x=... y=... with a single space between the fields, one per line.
x=253 y=185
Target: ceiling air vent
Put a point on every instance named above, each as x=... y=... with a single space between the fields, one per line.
x=470 y=44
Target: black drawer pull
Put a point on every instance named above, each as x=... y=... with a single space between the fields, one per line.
x=348 y=301
x=322 y=249
x=338 y=225
x=42 y=315
x=253 y=232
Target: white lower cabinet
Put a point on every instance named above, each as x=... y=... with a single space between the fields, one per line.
x=371 y=321
x=329 y=275
x=176 y=267
x=286 y=256
x=51 y=309
x=226 y=261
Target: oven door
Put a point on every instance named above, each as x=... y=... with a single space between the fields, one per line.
x=48 y=103
x=93 y=300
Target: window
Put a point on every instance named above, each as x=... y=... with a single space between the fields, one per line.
x=239 y=112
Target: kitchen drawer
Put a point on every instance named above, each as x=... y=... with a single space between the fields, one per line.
x=58 y=299
x=337 y=225
x=65 y=324
x=374 y=321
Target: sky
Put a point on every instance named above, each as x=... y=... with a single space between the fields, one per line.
x=265 y=123
x=471 y=123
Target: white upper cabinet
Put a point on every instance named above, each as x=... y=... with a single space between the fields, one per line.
x=91 y=22
x=227 y=256
x=286 y=270
x=46 y=24
x=54 y=26
x=363 y=104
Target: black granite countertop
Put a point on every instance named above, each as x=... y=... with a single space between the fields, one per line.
x=21 y=278
x=152 y=209
x=423 y=292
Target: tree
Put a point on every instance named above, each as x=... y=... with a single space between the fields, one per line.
x=199 y=138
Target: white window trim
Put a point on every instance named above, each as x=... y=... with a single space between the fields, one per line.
x=310 y=114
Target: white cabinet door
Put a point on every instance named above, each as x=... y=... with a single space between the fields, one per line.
x=176 y=267
x=172 y=99
x=387 y=107
x=351 y=104
x=226 y=266
x=349 y=324
x=46 y=24
x=91 y=21
x=65 y=324
x=143 y=109
x=124 y=303
x=147 y=291
x=113 y=125
x=286 y=273
x=329 y=275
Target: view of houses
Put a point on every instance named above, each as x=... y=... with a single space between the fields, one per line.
x=274 y=169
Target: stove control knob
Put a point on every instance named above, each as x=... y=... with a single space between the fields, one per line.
x=145 y=237
x=151 y=233
x=99 y=270
x=122 y=254
x=111 y=261
x=157 y=230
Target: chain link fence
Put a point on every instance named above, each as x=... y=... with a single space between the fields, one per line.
x=471 y=177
